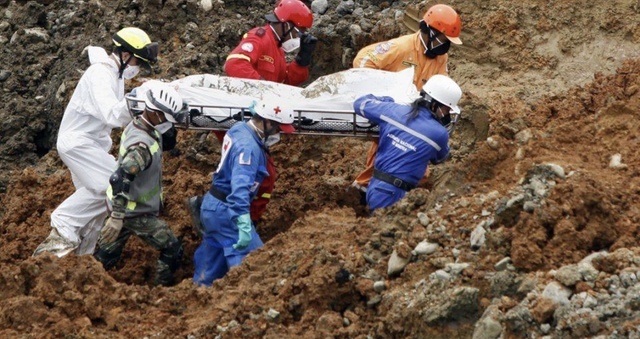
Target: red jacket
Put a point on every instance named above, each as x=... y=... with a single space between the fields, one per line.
x=259 y=56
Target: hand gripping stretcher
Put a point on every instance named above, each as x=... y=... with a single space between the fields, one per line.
x=325 y=107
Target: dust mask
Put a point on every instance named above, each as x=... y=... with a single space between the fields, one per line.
x=291 y=45
x=163 y=127
x=130 y=72
x=272 y=140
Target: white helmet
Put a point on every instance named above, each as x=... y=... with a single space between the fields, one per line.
x=165 y=99
x=444 y=90
x=275 y=111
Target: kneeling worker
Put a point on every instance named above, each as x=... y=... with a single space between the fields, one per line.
x=411 y=136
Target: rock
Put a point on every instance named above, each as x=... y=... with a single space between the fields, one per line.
x=379 y=286
x=319 y=6
x=374 y=301
x=396 y=264
x=545 y=328
x=556 y=292
x=568 y=275
x=273 y=314
x=423 y=219
x=440 y=276
x=488 y=327
x=503 y=283
x=529 y=206
x=543 y=310
x=493 y=143
x=477 y=238
x=4 y=75
x=524 y=136
x=616 y=162
x=502 y=264
x=557 y=170
x=520 y=153
x=425 y=248
x=517 y=319
x=345 y=7
x=527 y=285
x=596 y=255
x=206 y=5
x=456 y=268
x=459 y=303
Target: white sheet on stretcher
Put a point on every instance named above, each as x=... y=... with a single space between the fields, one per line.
x=331 y=93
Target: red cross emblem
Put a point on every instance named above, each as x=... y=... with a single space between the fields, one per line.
x=277 y=109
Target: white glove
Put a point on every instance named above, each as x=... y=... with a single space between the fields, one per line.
x=110 y=230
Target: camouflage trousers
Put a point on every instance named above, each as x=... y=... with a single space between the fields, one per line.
x=153 y=231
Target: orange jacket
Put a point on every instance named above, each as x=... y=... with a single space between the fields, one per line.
x=398 y=54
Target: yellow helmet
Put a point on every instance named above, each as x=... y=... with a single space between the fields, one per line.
x=137 y=42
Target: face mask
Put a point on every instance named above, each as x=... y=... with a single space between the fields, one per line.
x=440 y=50
x=272 y=140
x=432 y=52
x=291 y=45
x=163 y=127
x=130 y=72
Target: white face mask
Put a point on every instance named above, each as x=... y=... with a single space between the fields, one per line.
x=130 y=72
x=163 y=127
x=272 y=140
x=291 y=45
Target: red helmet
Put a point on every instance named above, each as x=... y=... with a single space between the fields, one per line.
x=445 y=20
x=294 y=11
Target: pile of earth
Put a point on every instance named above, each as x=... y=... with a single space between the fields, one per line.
x=530 y=229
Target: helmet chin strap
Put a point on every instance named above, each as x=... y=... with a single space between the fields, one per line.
x=123 y=64
x=284 y=30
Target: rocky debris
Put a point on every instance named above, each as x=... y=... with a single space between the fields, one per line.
x=540 y=179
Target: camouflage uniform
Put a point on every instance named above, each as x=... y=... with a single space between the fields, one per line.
x=140 y=161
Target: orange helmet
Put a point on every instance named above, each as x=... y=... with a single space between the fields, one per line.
x=445 y=20
x=294 y=11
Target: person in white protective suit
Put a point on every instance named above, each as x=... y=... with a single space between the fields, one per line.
x=84 y=140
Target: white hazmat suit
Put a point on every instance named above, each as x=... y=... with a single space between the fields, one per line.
x=84 y=140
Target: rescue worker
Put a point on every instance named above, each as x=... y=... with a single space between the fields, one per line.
x=84 y=139
x=261 y=52
x=229 y=233
x=261 y=55
x=411 y=136
x=134 y=196
x=425 y=50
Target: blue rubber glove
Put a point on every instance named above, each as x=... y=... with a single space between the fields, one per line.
x=244 y=232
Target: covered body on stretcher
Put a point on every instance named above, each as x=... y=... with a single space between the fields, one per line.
x=324 y=107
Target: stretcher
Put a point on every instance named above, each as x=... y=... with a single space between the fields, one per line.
x=324 y=107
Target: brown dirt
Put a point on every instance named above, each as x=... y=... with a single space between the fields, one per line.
x=568 y=73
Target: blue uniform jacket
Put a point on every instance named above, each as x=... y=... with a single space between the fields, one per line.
x=242 y=169
x=406 y=145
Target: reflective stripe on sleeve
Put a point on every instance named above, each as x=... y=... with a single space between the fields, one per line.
x=238 y=56
x=411 y=131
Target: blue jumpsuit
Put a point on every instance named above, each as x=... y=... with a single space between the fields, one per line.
x=242 y=168
x=406 y=145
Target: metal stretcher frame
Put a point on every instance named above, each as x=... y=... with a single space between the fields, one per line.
x=197 y=120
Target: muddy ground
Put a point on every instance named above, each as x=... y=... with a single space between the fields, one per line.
x=545 y=163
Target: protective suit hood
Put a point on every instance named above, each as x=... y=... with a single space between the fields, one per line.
x=97 y=55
